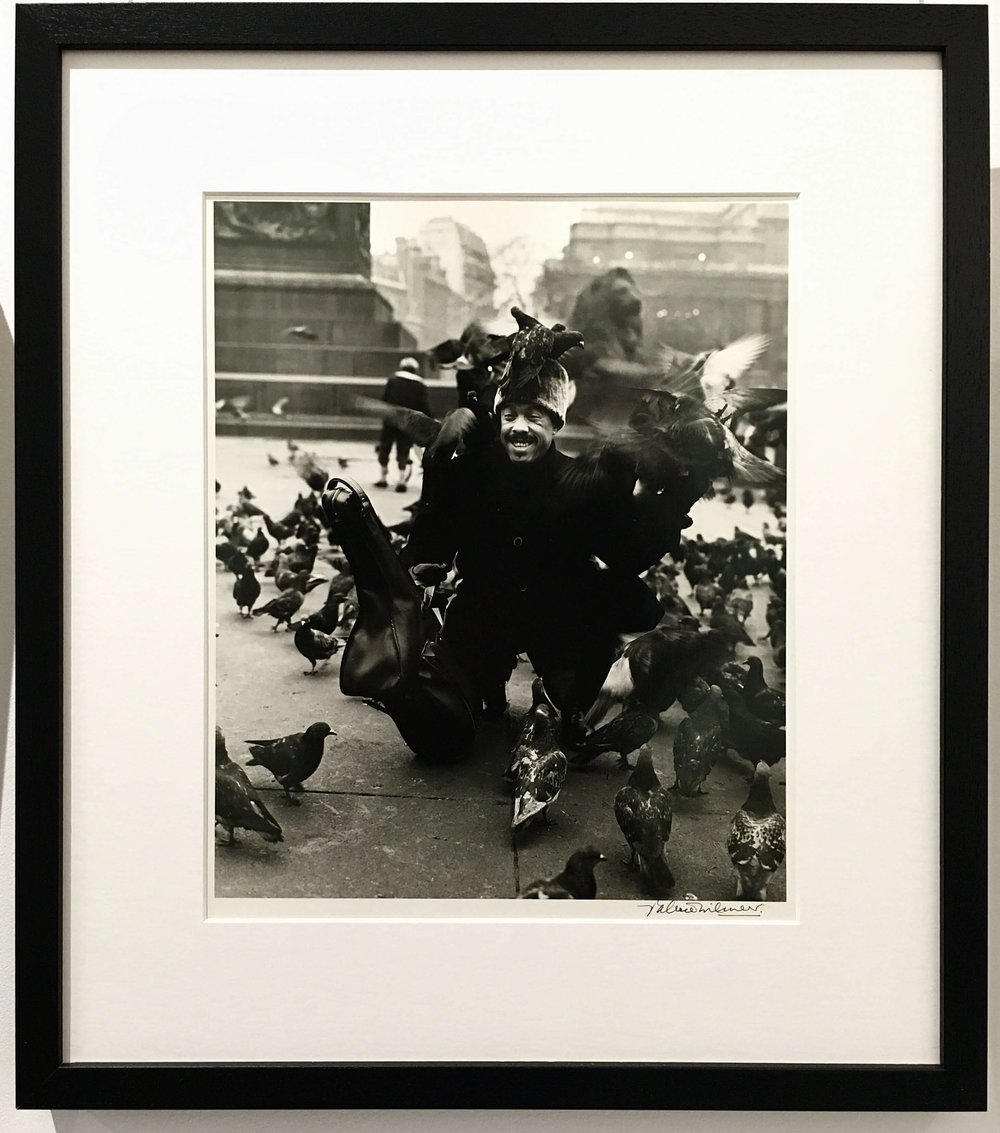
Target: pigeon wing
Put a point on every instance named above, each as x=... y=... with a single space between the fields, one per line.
x=749 y=470
x=733 y=360
x=420 y=428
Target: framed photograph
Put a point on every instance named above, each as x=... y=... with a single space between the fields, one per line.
x=488 y=458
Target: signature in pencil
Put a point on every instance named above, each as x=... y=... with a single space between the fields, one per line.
x=689 y=905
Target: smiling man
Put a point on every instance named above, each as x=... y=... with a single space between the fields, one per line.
x=547 y=563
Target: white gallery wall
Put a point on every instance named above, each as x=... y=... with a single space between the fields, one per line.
x=306 y=1122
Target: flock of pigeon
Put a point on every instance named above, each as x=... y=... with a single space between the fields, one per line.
x=730 y=710
x=690 y=659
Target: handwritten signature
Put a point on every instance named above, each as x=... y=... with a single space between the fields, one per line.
x=687 y=906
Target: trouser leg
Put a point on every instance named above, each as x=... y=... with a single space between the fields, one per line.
x=573 y=666
x=478 y=654
x=382 y=451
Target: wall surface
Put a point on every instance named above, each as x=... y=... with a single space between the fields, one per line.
x=305 y=1122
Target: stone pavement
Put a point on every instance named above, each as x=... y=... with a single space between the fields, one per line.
x=374 y=822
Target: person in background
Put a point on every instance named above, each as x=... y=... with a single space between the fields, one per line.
x=405 y=388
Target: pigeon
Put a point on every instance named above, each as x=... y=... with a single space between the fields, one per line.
x=272 y=460
x=237 y=803
x=281 y=608
x=706 y=594
x=278 y=408
x=700 y=738
x=753 y=738
x=645 y=816
x=728 y=623
x=246 y=591
x=303 y=580
x=764 y=702
x=257 y=546
x=739 y=602
x=224 y=551
x=278 y=531
x=439 y=438
x=538 y=767
x=233 y=407
x=756 y=842
x=576 y=882
x=656 y=666
x=238 y=563
x=532 y=346
x=291 y=759
x=314 y=644
x=302 y=331
x=624 y=734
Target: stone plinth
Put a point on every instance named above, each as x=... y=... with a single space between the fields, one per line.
x=293 y=292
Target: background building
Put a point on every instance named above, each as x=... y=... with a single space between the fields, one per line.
x=707 y=272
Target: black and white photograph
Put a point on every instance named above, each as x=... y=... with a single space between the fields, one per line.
x=499 y=595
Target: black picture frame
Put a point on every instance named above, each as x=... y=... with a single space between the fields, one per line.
x=959 y=35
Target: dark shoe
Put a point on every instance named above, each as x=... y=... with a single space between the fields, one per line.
x=381 y=484
x=400 y=487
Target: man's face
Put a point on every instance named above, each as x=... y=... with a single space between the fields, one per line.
x=526 y=431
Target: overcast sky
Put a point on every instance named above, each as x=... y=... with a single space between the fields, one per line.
x=545 y=224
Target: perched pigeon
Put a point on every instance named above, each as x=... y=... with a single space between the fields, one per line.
x=291 y=759
x=532 y=346
x=538 y=766
x=624 y=734
x=281 y=608
x=576 y=882
x=645 y=816
x=756 y=842
x=237 y=803
x=246 y=591
x=314 y=644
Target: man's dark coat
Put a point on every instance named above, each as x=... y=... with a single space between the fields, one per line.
x=525 y=543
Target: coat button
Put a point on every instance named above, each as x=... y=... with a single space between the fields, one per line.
x=518 y=541
x=524 y=589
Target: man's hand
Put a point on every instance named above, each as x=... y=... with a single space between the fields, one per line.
x=428 y=574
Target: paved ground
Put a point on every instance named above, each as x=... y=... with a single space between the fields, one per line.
x=373 y=822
